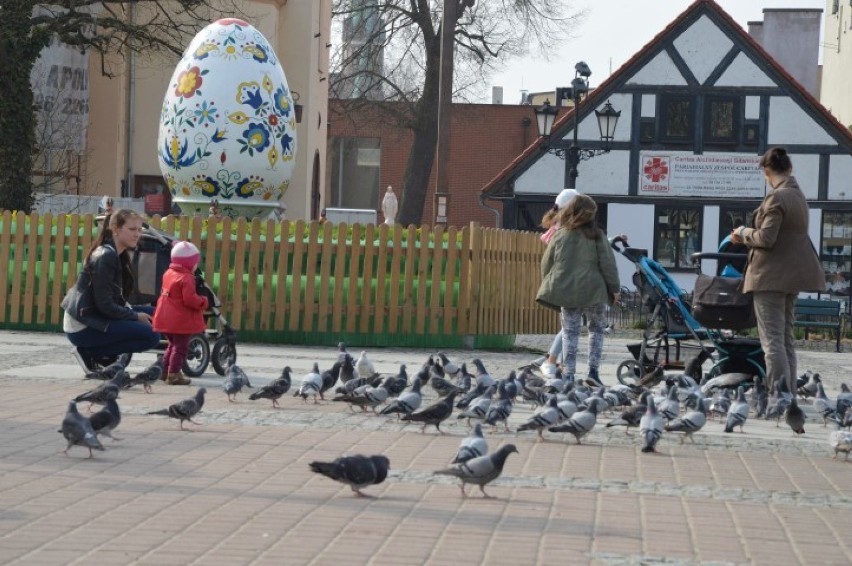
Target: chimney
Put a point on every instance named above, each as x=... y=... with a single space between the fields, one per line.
x=496 y=95
x=791 y=37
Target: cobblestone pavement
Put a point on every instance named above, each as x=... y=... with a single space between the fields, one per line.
x=237 y=490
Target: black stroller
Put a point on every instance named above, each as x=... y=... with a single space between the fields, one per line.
x=672 y=332
x=150 y=261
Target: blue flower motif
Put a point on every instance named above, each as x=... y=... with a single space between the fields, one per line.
x=218 y=136
x=174 y=153
x=256 y=137
x=209 y=186
x=282 y=105
x=250 y=94
x=206 y=113
x=259 y=54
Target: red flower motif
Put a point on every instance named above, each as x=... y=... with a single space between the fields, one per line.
x=188 y=82
x=273 y=120
x=656 y=169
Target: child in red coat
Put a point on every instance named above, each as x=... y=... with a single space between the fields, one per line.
x=180 y=310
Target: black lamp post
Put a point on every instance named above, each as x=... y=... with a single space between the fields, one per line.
x=607 y=120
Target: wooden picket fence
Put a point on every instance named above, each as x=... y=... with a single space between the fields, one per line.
x=296 y=281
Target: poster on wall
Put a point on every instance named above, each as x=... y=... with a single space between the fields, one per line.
x=684 y=174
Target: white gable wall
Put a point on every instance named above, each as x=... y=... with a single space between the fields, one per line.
x=789 y=124
x=702 y=46
x=661 y=70
x=743 y=72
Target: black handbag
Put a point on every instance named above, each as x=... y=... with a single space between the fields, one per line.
x=719 y=302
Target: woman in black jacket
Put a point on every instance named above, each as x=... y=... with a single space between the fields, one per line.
x=98 y=319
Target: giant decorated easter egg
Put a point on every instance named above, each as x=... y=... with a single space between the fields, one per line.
x=228 y=126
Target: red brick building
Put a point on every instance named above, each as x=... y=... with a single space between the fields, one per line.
x=371 y=153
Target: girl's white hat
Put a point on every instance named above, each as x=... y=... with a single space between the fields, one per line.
x=563 y=198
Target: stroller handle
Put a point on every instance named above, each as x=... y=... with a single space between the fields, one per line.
x=697 y=257
x=620 y=239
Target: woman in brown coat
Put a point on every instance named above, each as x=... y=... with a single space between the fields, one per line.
x=782 y=262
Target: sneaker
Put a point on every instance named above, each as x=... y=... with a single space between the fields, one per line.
x=86 y=360
x=593 y=380
x=548 y=369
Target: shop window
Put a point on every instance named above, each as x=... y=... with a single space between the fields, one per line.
x=355 y=169
x=721 y=119
x=836 y=252
x=678 y=236
x=677 y=119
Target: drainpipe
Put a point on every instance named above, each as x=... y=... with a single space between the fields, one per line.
x=131 y=92
x=482 y=197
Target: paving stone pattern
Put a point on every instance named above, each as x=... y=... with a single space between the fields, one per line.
x=237 y=490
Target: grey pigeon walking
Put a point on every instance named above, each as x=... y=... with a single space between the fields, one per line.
x=275 y=389
x=670 y=408
x=434 y=414
x=105 y=391
x=407 y=402
x=651 y=427
x=501 y=409
x=580 y=424
x=148 y=376
x=630 y=417
x=483 y=378
x=443 y=387
x=472 y=446
x=738 y=413
x=824 y=406
x=356 y=471
x=691 y=422
x=478 y=408
x=482 y=470
x=107 y=419
x=110 y=371
x=542 y=418
x=78 y=431
x=184 y=410
x=795 y=417
x=451 y=369
x=235 y=380
x=369 y=397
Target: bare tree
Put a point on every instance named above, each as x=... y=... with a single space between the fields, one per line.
x=105 y=28
x=391 y=51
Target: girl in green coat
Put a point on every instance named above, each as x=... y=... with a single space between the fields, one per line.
x=579 y=277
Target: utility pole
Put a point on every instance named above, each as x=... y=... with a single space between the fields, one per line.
x=445 y=101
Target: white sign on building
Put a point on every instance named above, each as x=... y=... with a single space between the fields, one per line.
x=684 y=174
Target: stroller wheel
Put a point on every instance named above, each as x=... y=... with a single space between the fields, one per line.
x=629 y=372
x=198 y=356
x=224 y=354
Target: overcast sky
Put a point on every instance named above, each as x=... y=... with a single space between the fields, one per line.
x=611 y=33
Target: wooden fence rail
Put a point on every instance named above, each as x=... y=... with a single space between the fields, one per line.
x=284 y=280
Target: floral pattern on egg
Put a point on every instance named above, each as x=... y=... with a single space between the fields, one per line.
x=227 y=127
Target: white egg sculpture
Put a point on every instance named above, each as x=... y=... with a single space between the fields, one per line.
x=228 y=125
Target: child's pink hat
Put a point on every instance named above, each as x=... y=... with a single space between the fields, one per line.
x=185 y=254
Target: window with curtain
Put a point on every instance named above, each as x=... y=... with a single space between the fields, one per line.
x=836 y=252
x=355 y=171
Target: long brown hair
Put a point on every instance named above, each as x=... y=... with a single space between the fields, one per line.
x=580 y=214
x=112 y=222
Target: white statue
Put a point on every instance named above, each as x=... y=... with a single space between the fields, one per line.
x=390 y=206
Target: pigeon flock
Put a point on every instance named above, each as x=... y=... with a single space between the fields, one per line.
x=658 y=404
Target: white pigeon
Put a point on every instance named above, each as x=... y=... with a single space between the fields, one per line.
x=840 y=441
x=364 y=366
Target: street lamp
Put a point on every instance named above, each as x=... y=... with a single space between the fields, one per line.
x=573 y=154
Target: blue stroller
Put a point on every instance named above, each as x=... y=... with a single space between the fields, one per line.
x=671 y=332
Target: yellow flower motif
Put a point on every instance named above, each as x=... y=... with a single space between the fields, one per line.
x=267 y=84
x=272 y=156
x=185 y=190
x=267 y=194
x=238 y=118
x=230 y=50
x=174 y=148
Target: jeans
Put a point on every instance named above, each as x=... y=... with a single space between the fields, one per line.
x=176 y=352
x=571 y=322
x=775 y=317
x=556 y=348
x=122 y=337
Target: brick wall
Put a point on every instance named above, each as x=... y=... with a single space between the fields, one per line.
x=485 y=139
